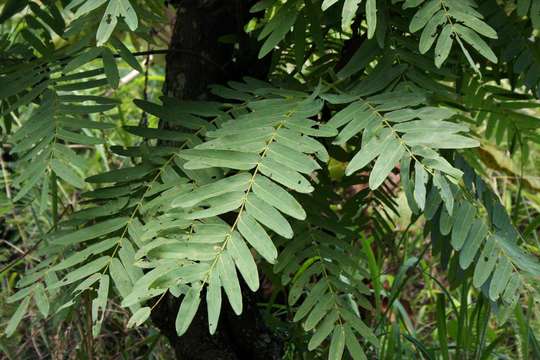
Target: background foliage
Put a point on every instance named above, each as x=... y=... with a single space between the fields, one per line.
x=380 y=185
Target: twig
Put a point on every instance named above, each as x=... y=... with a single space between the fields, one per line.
x=145 y=53
x=5 y=175
x=13 y=246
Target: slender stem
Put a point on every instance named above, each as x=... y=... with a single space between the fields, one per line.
x=88 y=324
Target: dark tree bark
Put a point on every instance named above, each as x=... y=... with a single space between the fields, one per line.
x=196 y=60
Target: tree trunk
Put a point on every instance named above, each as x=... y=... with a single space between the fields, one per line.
x=197 y=59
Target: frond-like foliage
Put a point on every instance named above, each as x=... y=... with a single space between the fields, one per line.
x=459 y=21
x=325 y=270
x=395 y=127
x=280 y=149
x=110 y=238
x=42 y=143
x=365 y=101
x=485 y=241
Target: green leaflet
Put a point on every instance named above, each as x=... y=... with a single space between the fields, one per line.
x=229 y=281
x=357 y=124
x=444 y=45
x=420 y=180
x=323 y=330
x=219 y=205
x=486 y=263
x=82 y=255
x=86 y=7
x=237 y=248
x=433 y=201
x=408 y=186
x=474 y=23
x=477 y=234
x=337 y=344
x=274 y=195
x=112 y=208
x=354 y=348
x=84 y=109
x=92 y=231
x=200 y=159
x=419 y=127
x=422 y=16
x=125 y=54
x=371 y=17
x=141 y=288
x=82 y=272
x=291 y=158
x=523 y=7
x=122 y=175
x=323 y=304
x=160 y=134
x=285 y=176
x=429 y=34
x=268 y=216
x=67 y=173
x=390 y=155
x=306 y=144
x=368 y=152
x=348 y=13
x=226 y=185
x=445 y=222
x=115 y=9
x=307 y=127
x=301 y=280
x=82 y=59
x=17 y=316
x=476 y=42
x=139 y=317
x=278 y=28
x=440 y=140
x=462 y=223
x=501 y=275
x=346 y=114
x=99 y=304
x=327 y=3
x=252 y=141
x=110 y=67
x=511 y=294
x=41 y=299
x=182 y=250
x=357 y=324
x=257 y=237
x=314 y=295
x=78 y=138
x=209 y=233
x=127 y=255
x=445 y=191
x=121 y=281
x=213 y=301
x=82 y=85
x=187 y=309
